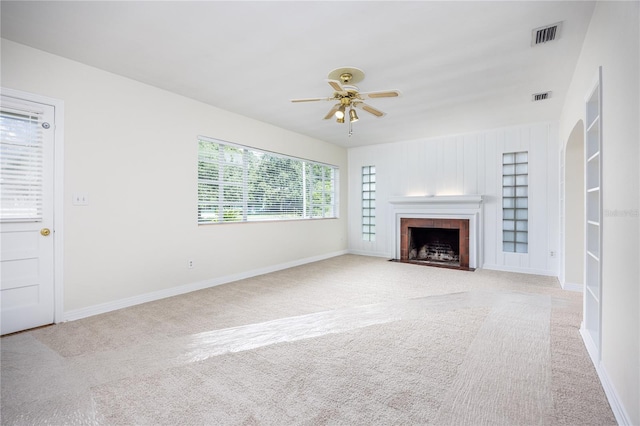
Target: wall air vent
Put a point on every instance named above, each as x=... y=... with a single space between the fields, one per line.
x=545 y=34
x=540 y=96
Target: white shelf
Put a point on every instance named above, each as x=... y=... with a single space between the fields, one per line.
x=595 y=296
x=593 y=209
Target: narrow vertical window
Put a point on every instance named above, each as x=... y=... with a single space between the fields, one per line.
x=515 y=202
x=369 y=203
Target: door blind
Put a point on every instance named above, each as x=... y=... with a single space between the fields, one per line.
x=22 y=162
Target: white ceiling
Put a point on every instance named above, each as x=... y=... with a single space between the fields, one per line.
x=461 y=66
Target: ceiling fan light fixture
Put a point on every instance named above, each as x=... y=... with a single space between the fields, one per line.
x=340 y=119
x=353 y=117
x=340 y=113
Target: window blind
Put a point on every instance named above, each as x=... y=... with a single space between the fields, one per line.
x=240 y=184
x=22 y=162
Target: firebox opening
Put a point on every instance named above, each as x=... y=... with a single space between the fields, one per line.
x=434 y=245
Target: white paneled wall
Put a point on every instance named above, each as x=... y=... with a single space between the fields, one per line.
x=466 y=165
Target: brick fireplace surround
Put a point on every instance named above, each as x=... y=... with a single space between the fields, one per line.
x=461 y=224
x=463 y=212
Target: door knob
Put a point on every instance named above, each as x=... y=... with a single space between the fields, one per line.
x=45 y=232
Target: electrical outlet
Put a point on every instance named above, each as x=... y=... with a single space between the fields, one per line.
x=190 y=263
x=552 y=253
x=80 y=199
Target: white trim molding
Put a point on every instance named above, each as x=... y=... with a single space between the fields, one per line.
x=621 y=415
x=102 y=308
x=572 y=287
x=520 y=270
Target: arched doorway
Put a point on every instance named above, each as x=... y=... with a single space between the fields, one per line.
x=574 y=214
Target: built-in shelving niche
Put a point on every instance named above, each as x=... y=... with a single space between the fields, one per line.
x=593 y=229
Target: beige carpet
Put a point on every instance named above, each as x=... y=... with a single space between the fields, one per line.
x=350 y=340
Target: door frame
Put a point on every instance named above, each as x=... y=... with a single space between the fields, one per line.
x=58 y=193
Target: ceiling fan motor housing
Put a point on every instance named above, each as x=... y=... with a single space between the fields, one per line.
x=345 y=77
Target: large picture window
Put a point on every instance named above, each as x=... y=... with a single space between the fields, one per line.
x=242 y=184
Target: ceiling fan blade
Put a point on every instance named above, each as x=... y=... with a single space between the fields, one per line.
x=371 y=110
x=335 y=84
x=384 y=94
x=332 y=112
x=311 y=99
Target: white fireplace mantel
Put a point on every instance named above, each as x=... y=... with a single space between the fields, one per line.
x=465 y=201
x=441 y=207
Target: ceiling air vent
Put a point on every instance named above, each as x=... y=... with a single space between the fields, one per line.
x=540 y=96
x=545 y=34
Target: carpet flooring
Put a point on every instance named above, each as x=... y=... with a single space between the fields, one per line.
x=350 y=340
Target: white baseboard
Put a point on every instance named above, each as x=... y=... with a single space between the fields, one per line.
x=520 y=270
x=572 y=287
x=102 y=308
x=592 y=348
x=371 y=253
x=610 y=391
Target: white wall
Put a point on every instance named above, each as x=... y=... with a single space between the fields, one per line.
x=466 y=165
x=132 y=148
x=613 y=42
x=574 y=208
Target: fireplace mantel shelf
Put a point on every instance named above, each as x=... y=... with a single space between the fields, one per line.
x=437 y=199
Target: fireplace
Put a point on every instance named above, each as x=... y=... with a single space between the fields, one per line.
x=434 y=245
x=446 y=213
x=431 y=241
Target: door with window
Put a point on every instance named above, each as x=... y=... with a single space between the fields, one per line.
x=26 y=214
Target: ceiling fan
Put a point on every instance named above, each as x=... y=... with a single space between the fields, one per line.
x=348 y=96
